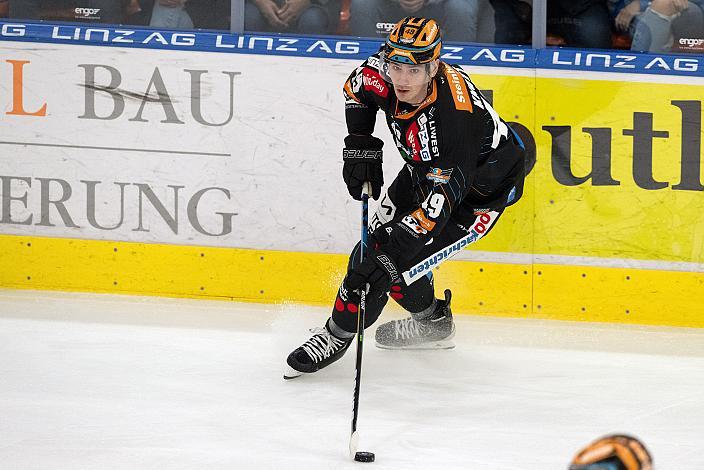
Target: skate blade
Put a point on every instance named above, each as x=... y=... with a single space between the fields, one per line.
x=291 y=373
x=444 y=344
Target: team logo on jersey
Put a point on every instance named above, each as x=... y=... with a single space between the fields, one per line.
x=438 y=176
x=373 y=82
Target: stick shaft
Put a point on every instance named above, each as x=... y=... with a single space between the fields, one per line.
x=360 y=324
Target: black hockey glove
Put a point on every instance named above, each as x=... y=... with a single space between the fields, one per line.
x=362 y=159
x=378 y=269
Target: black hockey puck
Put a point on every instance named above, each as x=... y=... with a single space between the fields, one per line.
x=364 y=456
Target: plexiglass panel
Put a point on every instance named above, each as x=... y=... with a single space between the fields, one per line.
x=162 y=14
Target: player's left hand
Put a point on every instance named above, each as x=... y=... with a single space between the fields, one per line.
x=378 y=270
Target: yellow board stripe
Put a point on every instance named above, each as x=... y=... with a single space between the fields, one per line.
x=557 y=292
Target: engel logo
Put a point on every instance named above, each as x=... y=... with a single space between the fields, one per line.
x=691 y=42
x=86 y=12
x=385 y=27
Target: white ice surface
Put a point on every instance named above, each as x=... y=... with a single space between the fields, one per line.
x=112 y=382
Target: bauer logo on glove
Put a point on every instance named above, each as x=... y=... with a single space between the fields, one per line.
x=362 y=162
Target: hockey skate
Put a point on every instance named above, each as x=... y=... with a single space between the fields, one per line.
x=433 y=332
x=321 y=350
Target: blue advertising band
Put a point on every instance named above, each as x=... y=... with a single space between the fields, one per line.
x=338 y=47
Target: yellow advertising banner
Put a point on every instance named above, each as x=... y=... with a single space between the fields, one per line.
x=618 y=171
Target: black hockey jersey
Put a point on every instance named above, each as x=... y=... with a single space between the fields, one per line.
x=461 y=155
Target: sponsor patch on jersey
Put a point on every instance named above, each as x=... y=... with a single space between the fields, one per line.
x=423 y=221
x=439 y=176
x=374 y=63
x=458 y=87
x=481 y=225
x=413 y=141
x=427 y=133
x=411 y=223
x=373 y=82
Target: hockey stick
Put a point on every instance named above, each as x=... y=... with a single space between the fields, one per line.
x=354 y=436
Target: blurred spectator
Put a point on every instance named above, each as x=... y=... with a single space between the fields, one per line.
x=660 y=25
x=293 y=16
x=96 y=11
x=170 y=14
x=514 y=19
x=375 y=18
x=581 y=23
x=577 y=23
x=623 y=12
x=4 y=8
x=182 y=14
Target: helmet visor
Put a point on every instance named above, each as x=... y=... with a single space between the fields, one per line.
x=392 y=70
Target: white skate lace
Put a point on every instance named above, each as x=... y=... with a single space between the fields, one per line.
x=407 y=328
x=322 y=344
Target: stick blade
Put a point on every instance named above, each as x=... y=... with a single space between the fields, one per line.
x=354 y=444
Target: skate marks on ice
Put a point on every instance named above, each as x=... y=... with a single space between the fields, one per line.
x=103 y=381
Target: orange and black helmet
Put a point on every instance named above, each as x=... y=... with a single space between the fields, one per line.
x=617 y=451
x=413 y=41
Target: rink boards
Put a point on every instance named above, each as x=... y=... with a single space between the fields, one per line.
x=203 y=174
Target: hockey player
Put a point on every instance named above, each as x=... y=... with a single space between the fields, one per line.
x=463 y=166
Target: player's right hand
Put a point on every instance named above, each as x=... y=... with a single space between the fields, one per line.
x=362 y=159
x=378 y=270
